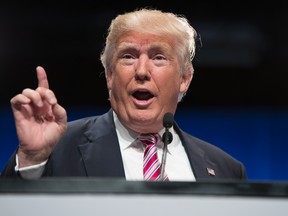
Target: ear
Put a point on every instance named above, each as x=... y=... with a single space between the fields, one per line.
x=108 y=75
x=185 y=81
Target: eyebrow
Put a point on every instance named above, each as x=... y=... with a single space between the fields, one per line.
x=155 y=46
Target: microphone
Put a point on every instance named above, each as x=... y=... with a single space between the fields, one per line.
x=167 y=138
x=168 y=120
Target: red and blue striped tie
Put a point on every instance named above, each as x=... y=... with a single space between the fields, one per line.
x=151 y=163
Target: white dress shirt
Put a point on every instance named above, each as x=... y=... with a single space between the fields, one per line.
x=177 y=167
x=177 y=164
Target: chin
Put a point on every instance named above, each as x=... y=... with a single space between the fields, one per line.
x=145 y=118
x=144 y=115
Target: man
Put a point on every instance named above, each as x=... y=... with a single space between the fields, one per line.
x=148 y=66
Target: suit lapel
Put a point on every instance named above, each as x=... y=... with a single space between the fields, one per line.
x=101 y=154
x=102 y=157
x=202 y=167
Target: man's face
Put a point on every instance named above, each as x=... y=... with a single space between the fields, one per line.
x=145 y=80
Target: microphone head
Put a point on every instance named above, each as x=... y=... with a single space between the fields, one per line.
x=167 y=137
x=168 y=120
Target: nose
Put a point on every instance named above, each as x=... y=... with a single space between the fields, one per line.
x=142 y=68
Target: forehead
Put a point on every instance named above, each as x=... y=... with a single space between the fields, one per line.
x=139 y=39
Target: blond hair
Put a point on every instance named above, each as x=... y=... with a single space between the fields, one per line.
x=155 y=22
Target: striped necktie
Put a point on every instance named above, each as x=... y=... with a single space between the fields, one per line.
x=151 y=163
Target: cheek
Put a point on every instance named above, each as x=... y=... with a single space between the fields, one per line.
x=119 y=81
x=170 y=82
x=169 y=89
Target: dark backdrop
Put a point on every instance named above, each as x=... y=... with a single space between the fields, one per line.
x=238 y=97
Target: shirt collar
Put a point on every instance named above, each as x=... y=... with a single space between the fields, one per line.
x=127 y=136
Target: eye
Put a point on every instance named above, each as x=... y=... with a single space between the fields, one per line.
x=127 y=56
x=127 y=59
x=159 y=57
x=160 y=60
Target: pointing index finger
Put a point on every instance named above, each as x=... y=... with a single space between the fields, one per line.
x=42 y=77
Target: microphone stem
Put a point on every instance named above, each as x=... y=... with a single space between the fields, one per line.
x=163 y=163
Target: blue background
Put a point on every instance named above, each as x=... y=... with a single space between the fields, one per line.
x=256 y=136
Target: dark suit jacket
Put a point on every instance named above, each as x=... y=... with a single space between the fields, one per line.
x=91 y=143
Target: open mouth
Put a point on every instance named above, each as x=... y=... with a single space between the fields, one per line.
x=142 y=95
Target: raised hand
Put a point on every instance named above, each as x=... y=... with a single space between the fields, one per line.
x=40 y=121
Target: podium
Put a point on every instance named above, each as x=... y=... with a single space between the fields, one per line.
x=105 y=197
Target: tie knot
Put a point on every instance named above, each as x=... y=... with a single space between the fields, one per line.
x=149 y=138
